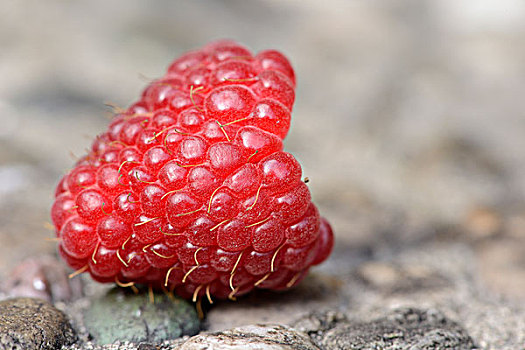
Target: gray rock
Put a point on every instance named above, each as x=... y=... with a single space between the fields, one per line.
x=122 y=316
x=27 y=324
x=317 y=323
x=270 y=337
x=406 y=328
x=147 y=346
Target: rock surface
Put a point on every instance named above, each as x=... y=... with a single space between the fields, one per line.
x=27 y=324
x=400 y=329
x=433 y=276
x=260 y=336
x=122 y=316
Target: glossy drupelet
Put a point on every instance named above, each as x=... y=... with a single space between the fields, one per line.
x=189 y=188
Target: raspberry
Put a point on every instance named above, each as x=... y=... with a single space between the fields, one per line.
x=190 y=190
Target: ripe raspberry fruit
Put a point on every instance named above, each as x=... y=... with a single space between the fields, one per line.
x=190 y=190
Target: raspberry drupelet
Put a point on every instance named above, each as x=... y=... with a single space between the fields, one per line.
x=189 y=189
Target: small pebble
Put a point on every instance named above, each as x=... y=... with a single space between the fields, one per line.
x=27 y=324
x=124 y=316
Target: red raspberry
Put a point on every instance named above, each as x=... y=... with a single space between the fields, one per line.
x=189 y=189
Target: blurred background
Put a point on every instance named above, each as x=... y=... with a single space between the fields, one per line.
x=409 y=117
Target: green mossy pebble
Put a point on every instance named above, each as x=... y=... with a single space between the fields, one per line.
x=120 y=315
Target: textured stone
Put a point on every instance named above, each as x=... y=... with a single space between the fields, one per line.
x=261 y=336
x=317 y=323
x=123 y=316
x=27 y=324
x=401 y=329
